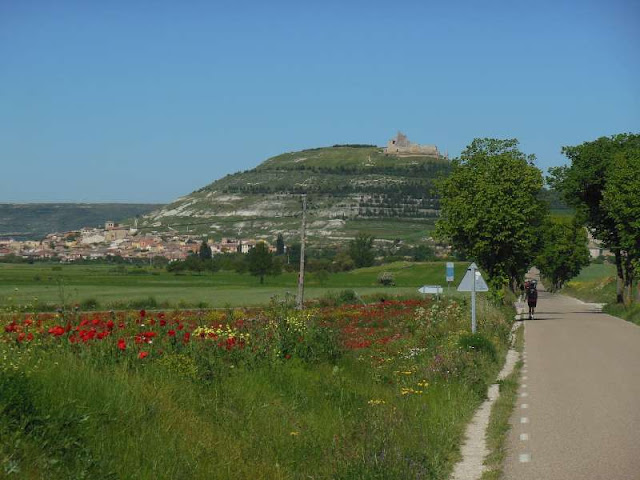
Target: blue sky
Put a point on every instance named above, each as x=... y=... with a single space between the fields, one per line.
x=144 y=101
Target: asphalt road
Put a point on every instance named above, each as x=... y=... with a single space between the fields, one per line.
x=578 y=410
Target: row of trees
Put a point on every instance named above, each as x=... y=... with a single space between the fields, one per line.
x=360 y=252
x=492 y=210
x=603 y=184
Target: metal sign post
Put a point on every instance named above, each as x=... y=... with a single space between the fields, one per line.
x=473 y=282
x=474 y=325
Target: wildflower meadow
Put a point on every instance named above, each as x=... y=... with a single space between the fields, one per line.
x=340 y=392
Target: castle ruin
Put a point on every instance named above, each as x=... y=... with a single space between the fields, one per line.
x=401 y=146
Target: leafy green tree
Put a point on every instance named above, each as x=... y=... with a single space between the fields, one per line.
x=293 y=254
x=260 y=262
x=490 y=209
x=621 y=201
x=583 y=184
x=423 y=253
x=280 y=245
x=564 y=251
x=342 y=263
x=361 y=250
x=193 y=263
x=205 y=251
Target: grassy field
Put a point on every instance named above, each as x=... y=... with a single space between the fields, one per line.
x=597 y=283
x=112 y=287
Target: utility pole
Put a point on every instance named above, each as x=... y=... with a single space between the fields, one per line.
x=303 y=238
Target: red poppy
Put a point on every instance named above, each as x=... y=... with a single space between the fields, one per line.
x=186 y=337
x=29 y=337
x=121 y=344
x=171 y=333
x=57 y=330
x=110 y=324
x=142 y=355
x=143 y=313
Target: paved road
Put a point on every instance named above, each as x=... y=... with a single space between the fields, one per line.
x=578 y=409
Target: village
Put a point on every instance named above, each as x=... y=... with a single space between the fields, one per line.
x=115 y=240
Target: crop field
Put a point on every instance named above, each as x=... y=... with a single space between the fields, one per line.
x=109 y=286
x=347 y=392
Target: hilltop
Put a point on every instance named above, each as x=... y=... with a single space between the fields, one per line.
x=350 y=188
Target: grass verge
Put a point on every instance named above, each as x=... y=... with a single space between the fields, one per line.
x=499 y=426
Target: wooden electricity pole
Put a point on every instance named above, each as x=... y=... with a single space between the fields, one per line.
x=303 y=238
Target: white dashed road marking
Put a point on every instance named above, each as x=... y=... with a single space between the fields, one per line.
x=524 y=405
x=525 y=458
x=524 y=437
x=524 y=419
x=524 y=394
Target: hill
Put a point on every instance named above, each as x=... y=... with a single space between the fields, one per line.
x=24 y=221
x=349 y=188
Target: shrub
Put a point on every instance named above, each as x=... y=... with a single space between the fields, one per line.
x=347 y=296
x=386 y=279
x=89 y=304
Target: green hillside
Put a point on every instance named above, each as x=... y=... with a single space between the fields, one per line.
x=349 y=189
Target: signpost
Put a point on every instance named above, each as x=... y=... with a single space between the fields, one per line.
x=449 y=275
x=473 y=282
x=431 y=289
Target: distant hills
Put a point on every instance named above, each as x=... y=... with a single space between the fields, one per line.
x=32 y=221
x=350 y=188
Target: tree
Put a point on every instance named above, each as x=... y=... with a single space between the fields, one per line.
x=490 y=209
x=423 y=253
x=205 y=251
x=621 y=201
x=193 y=263
x=342 y=263
x=361 y=250
x=280 y=245
x=564 y=251
x=260 y=262
x=293 y=254
x=583 y=184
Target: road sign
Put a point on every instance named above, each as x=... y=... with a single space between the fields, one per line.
x=467 y=284
x=432 y=289
x=449 y=271
x=473 y=282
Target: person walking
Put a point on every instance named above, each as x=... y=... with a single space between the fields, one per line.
x=532 y=298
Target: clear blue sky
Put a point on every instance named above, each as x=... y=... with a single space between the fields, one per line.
x=144 y=101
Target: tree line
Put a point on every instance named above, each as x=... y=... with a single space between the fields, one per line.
x=493 y=210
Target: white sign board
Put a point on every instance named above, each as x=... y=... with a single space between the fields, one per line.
x=432 y=289
x=466 y=285
x=449 y=271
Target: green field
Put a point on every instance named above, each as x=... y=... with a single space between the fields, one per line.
x=110 y=287
x=597 y=283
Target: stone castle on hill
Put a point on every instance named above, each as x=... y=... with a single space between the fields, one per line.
x=401 y=146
